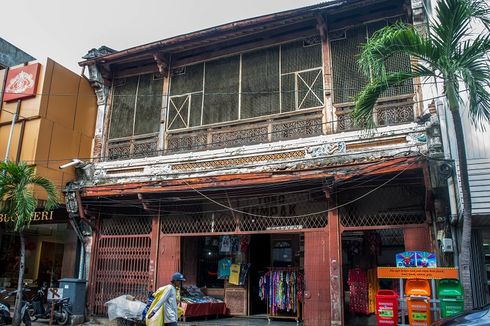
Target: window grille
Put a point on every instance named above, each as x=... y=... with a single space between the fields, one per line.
x=348 y=80
x=390 y=205
x=136 y=106
x=264 y=214
x=268 y=81
x=122 y=260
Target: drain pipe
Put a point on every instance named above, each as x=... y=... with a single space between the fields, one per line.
x=74 y=209
x=12 y=126
x=82 y=247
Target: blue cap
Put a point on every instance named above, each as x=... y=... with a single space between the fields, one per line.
x=178 y=277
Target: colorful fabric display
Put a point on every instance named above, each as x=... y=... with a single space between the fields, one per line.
x=282 y=290
x=358 y=287
x=234 y=274
x=224 y=268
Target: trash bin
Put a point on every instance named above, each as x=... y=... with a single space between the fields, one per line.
x=418 y=302
x=75 y=289
x=450 y=294
x=387 y=307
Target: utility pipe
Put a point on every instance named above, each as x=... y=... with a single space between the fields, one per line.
x=12 y=126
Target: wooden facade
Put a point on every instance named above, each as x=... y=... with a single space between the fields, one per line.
x=206 y=132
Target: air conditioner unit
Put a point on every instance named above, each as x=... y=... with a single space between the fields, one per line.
x=447 y=245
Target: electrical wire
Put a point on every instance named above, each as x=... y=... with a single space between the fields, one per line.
x=302 y=215
x=235 y=196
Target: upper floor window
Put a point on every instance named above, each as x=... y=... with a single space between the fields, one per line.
x=268 y=81
x=348 y=81
x=136 y=106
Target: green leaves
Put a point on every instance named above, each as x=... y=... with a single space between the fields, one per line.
x=16 y=193
x=447 y=52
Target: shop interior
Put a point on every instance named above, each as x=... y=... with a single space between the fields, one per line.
x=362 y=253
x=237 y=270
x=44 y=255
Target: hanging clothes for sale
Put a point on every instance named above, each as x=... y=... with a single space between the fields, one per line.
x=224 y=268
x=358 y=288
x=243 y=274
x=225 y=244
x=234 y=244
x=282 y=290
x=234 y=274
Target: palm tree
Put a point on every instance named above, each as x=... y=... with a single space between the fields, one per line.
x=449 y=53
x=17 y=199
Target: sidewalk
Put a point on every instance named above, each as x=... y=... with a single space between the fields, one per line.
x=233 y=321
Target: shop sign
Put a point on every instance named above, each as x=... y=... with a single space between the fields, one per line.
x=418 y=273
x=40 y=217
x=416 y=259
x=21 y=82
x=55 y=293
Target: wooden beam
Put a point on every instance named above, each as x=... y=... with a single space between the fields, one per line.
x=344 y=172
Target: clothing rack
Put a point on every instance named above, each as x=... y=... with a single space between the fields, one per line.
x=293 y=287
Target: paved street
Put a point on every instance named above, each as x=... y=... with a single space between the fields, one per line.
x=234 y=321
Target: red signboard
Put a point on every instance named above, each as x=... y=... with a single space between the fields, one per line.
x=21 y=82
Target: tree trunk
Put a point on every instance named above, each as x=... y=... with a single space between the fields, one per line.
x=18 y=299
x=465 y=253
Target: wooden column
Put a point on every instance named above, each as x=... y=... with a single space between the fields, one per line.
x=335 y=263
x=168 y=258
x=328 y=114
x=155 y=231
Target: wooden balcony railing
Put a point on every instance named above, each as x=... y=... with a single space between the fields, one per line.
x=292 y=125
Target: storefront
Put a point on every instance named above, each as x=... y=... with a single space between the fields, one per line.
x=229 y=242
x=51 y=250
x=239 y=270
x=391 y=220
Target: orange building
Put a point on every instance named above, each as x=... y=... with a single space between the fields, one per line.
x=54 y=124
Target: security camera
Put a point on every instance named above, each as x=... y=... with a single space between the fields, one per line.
x=72 y=163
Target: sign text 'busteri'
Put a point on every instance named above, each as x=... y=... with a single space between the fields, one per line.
x=35 y=217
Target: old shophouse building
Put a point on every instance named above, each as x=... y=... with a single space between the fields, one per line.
x=235 y=144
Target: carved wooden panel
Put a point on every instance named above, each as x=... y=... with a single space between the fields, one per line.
x=236 y=301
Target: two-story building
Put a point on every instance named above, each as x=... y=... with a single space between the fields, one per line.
x=234 y=145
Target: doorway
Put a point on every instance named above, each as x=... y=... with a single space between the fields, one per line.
x=260 y=259
x=362 y=252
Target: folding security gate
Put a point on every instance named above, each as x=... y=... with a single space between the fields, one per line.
x=121 y=260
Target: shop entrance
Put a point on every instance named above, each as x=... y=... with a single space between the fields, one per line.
x=362 y=252
x=258 y=267
x=230 y=269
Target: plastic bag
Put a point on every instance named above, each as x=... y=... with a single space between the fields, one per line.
x=125 y=306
